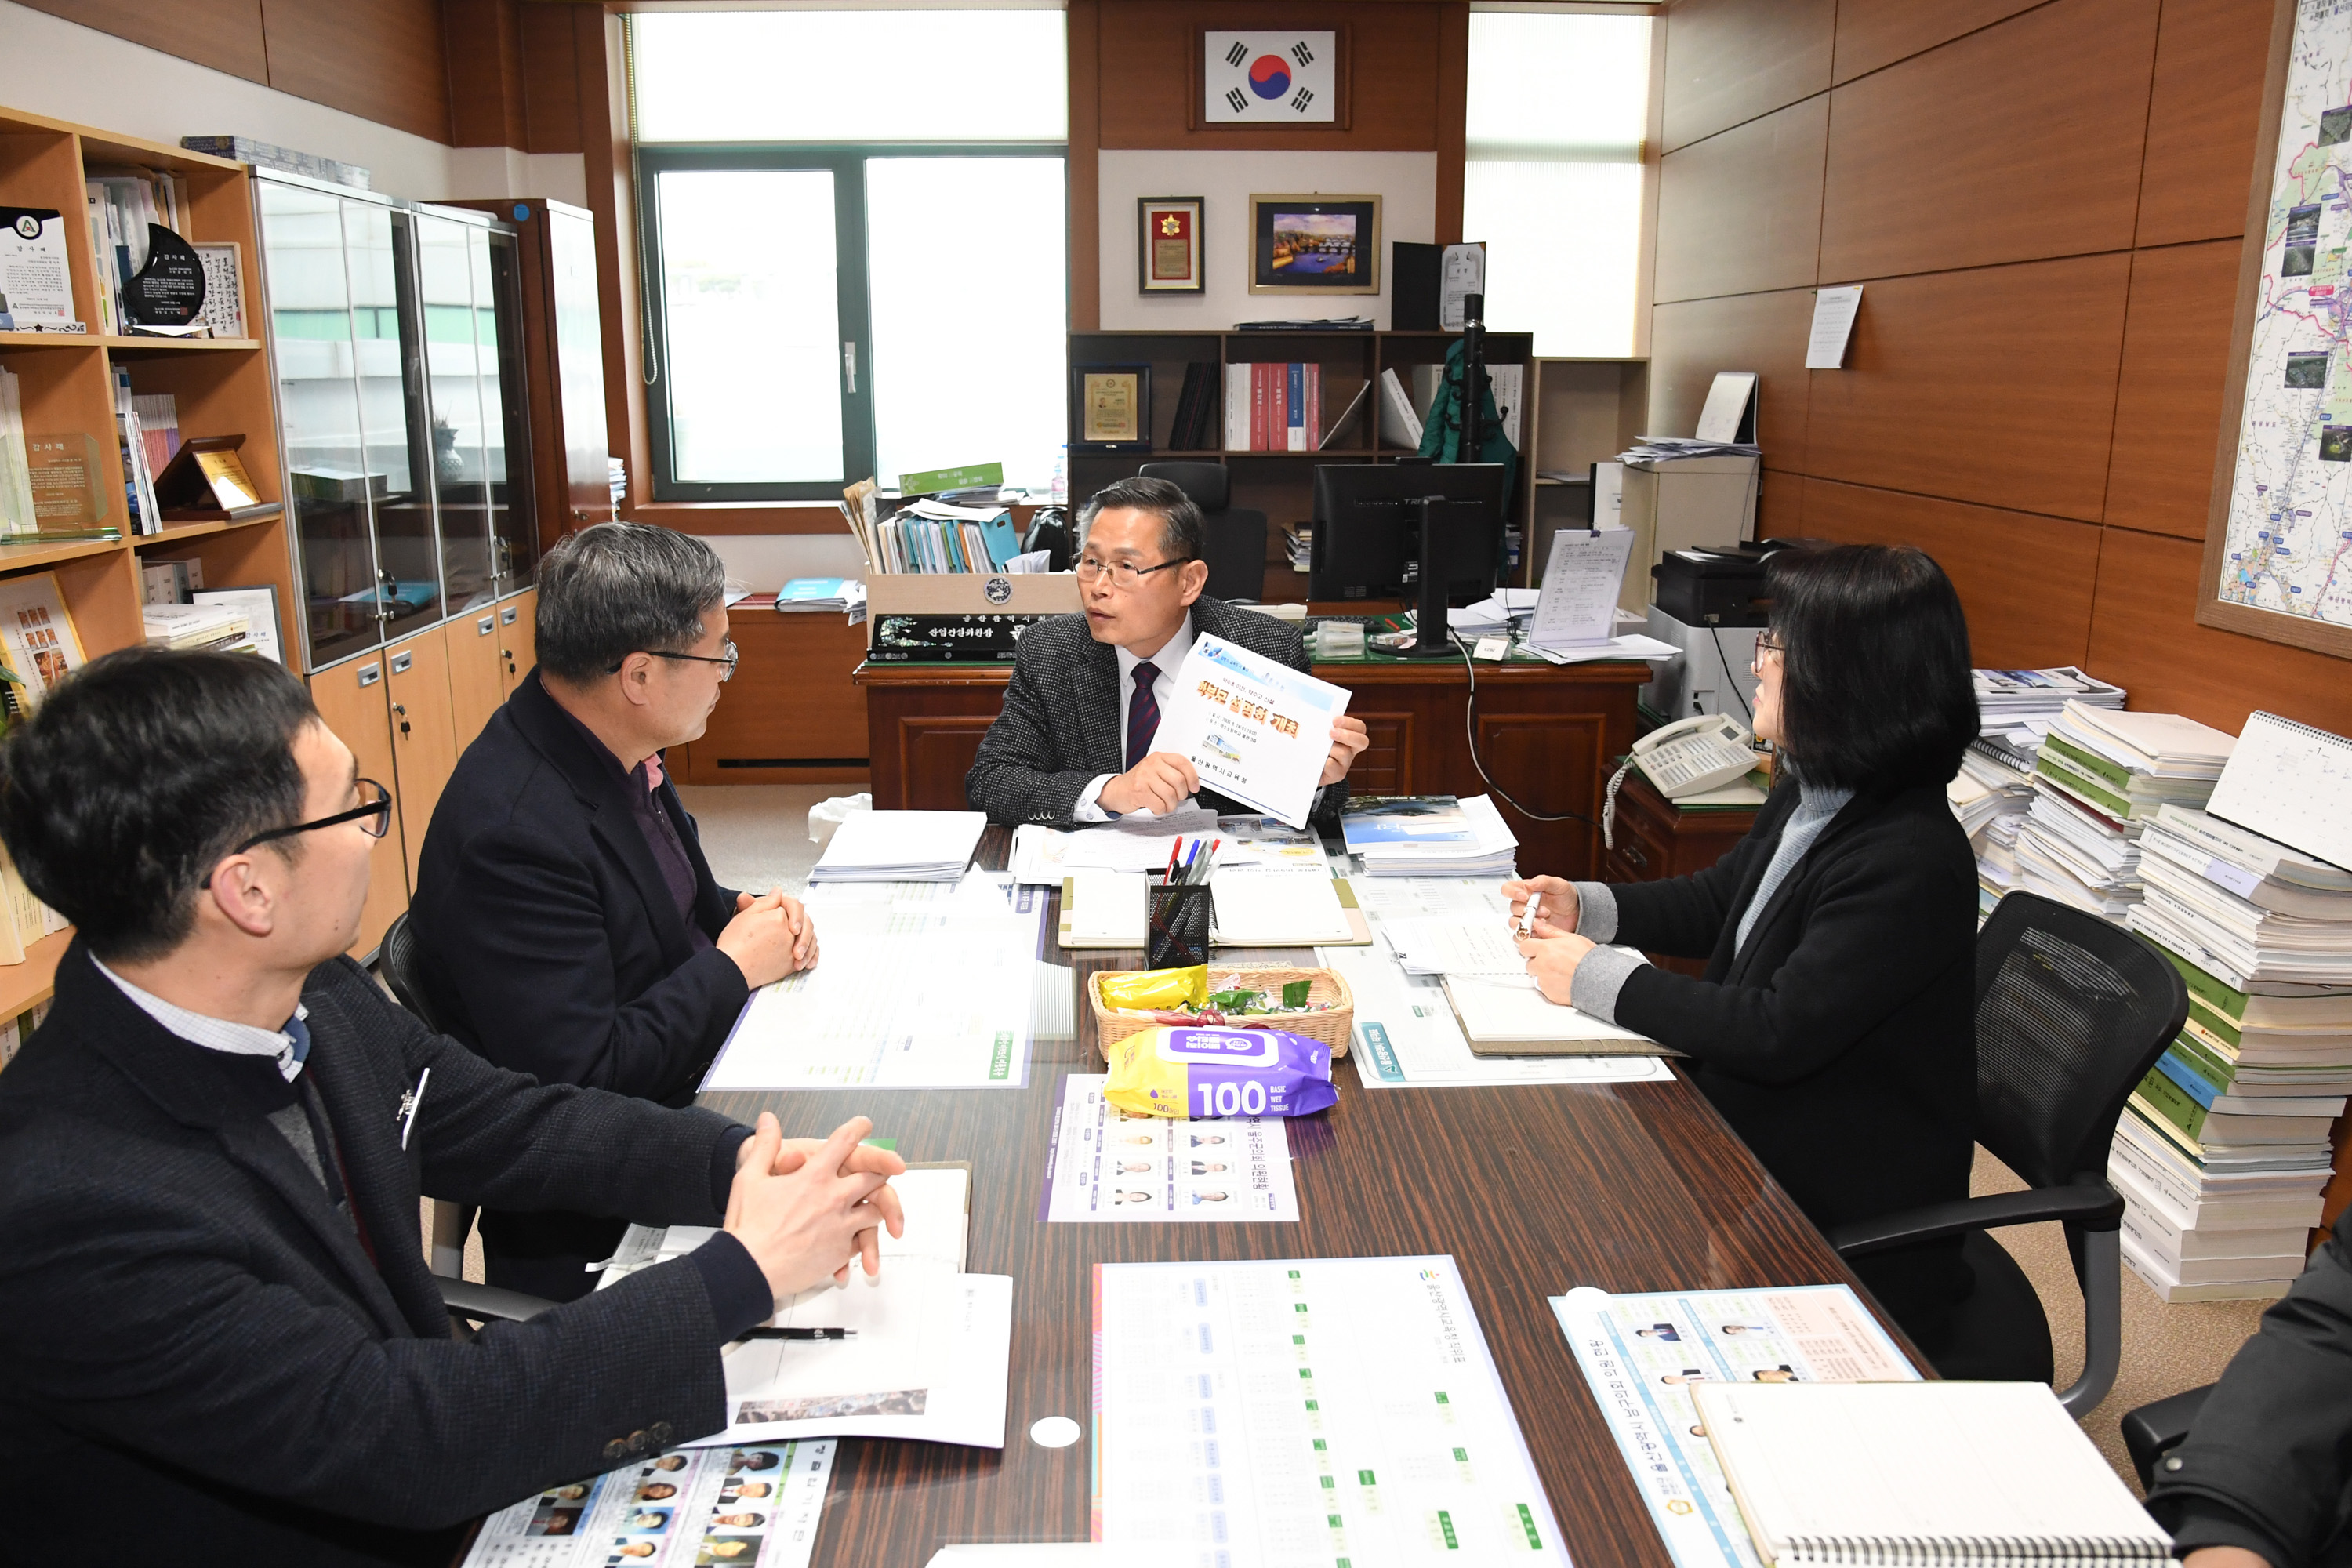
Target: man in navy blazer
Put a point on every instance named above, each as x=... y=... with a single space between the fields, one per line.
x=566 y=923
x=218 y=1341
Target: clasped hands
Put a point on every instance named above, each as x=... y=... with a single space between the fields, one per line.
x=806 y=1208
x=1164 y=780
x=1552 y=950
x=770 y=936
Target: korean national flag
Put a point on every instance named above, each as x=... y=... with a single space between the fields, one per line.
x=1284 y=79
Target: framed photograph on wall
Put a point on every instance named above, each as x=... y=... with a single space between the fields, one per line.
x=1168 y=245
x=1315 y=245
x=1110 y=409
x=2280 y=512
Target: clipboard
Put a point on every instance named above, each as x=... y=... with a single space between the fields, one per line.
x=1359 y=933
x=1569 y=1042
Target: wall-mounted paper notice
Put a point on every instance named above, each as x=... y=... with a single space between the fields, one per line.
x=1833 y=313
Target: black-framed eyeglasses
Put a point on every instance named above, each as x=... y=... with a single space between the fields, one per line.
x=725 y=660
x=1764 y=642
x=1123 y=573
x=374 y=818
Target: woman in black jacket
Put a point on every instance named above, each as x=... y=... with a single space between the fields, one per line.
x=1834 y=1028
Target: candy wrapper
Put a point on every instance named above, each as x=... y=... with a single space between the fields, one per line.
x=1220 y=1073
x=1150 y=990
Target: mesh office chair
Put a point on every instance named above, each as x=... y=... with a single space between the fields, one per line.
x=1236 y=536
x=2071 y=1013
x=396 y=959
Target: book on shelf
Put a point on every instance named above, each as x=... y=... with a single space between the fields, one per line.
x=1280 y=406
x=36 y=636
x=123 y=205
x=138 y=481
x=219 y=629
x=159 y=427
x=171 y=582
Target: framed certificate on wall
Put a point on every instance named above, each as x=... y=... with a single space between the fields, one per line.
x=1167 y=247
x=1110 y=407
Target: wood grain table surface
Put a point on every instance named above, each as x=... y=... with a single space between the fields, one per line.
x=1532 y=1189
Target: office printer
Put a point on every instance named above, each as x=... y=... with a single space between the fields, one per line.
x=1719 y=587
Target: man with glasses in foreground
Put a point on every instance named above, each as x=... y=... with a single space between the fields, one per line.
x=566 y=921
x=213 y=1292
x=1074 y=743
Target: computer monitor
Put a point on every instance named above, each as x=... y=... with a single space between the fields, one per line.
x=1366 y=529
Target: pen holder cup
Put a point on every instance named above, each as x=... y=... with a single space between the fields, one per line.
x=1175 y=926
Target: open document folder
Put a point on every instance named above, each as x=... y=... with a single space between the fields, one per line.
x=933 y=1344
x=1506 y=1015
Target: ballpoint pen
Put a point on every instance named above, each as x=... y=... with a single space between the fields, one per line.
x=1528 y=918
x=800 y=1333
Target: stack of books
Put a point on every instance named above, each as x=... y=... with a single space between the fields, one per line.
x=1990 y=794
x=1429 y=836
x=1298 y=542
x=2224 y=1150
x=217 y=628
x=2099 y=776
x=1277 y=407
x=2021 y=704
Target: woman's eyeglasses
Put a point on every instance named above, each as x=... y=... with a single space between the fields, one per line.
x=1764 y=642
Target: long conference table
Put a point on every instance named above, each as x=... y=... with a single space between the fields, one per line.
x=1532 y=1189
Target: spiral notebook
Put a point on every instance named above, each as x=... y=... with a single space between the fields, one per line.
x=1908 y=1474
x=2291 y=783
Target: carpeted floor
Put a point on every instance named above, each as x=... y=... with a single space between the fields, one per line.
x=756 y=836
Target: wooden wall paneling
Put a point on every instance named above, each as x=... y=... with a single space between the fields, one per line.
x=1996 y=386
x=2168 y=396
x=1875 y=33
x=550 y=80
x=2019 y=142
x=2201 y=118
x=477 y=683
x=1452 y=116
x=483 y=42
x=380 y=59
x=223 y=33
x=1690 y=340
x=2145 y=636
x=929 y=755
x=424 y=734
x=361 y=717
x=1730 y=60
x=792 y=699
x=1146 y=48
x=1741 y=212
x=2026 y=582
x=1084 y=25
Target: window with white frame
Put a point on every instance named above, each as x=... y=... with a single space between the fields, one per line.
x=1559 y=104
x=852 y=233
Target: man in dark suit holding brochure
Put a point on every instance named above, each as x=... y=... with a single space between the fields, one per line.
x=1074 y=745
x=213 y=1294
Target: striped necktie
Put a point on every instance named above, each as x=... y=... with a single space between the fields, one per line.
x=1142 y=714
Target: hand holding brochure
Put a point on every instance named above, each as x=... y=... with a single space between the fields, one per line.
x=1257 y=731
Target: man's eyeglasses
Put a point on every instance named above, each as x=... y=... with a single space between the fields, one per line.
x=374 y=817
x=1123 y=573
x=1764 y=642
x=726 y=661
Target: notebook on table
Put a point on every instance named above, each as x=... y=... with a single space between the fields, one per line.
x=1506 y=1015
x=1863 y=1474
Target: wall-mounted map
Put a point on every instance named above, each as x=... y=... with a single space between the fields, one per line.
x=2287 y=548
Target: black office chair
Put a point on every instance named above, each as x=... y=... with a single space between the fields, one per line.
x=396 y=961
x=2154 y=1430
x=1236 y=536
x=2071 y=1013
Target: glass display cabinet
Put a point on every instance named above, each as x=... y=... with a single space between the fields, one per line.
x=397 y=330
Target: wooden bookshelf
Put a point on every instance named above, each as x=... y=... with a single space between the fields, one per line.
x=223 y=387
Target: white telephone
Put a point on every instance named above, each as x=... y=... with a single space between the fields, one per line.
x=1700 y=753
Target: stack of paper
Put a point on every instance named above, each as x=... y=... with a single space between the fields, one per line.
x=1429 y=836
x=821 y=593
x=2078 y=856
x=1991 y=795
x=1494 y=614
x=220 y=628
x=901 y=846
x=2021 y=704
x=2128 y=764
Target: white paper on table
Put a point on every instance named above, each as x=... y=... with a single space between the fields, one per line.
x=870 y=845
x=1508 y=1007
x=1833 y=313
x=1580 y=584
x=1109 y=1167
x=930 y=1363
x=1440 y=945
x=670 y=1511
x=1632 y=646
x=1387 y=898
x=1255 y=731
x=1337 y=1408
x=1642 y=1353
x=868 y=1014
x=936 y=1202
x=1406 y=1036
x=1276 y=908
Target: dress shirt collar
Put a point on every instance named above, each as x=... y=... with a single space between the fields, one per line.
x=221 y=1033
x=1167 y=662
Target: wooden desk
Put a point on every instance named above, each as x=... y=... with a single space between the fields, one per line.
x=1532 y=1189
x=1547 y=733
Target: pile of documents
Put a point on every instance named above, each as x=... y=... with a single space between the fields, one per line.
x=1667 y=448
x=2099 y=776
x=900 y=847
x=2224 y=1151
x=1991 y=794
x=2021 y=704
x=1498 y=613
x=1429 y=836
x=219 y=629
x=804 y=594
